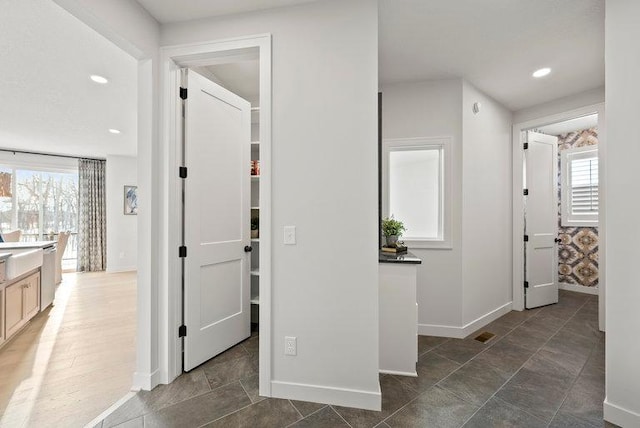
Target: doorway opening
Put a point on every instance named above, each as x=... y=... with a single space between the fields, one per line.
x=241 y=67
x=558 y=201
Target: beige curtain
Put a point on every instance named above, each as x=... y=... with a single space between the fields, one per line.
x=92 y=221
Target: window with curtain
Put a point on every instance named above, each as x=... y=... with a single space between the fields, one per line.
x=40 y=203
x=92 y=218
x=579 y=193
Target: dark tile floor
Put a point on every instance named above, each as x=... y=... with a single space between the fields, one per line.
x=544 y=368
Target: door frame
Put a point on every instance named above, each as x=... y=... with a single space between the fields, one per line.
x=191 y=55
x=518 y=206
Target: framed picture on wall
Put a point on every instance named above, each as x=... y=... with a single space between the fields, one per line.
x=130 y=200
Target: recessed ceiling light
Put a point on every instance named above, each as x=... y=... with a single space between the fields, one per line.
x=114 y=131
x=542 y=72
x=99 y=79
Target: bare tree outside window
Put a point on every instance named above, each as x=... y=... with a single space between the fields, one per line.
x=41 y=204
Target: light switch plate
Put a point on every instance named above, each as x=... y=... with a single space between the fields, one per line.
x=289 y=235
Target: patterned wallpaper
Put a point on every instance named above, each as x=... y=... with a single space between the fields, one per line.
x=578 y=248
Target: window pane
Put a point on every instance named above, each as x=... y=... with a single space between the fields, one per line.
x=6 y=198
x=40 y=204
x=414 y=191
x=584 y=186
x=28 y=204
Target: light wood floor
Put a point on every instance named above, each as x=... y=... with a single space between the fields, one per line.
x=73 y=360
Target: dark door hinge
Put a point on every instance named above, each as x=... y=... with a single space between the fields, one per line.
x=525 y=146
x=525 y=192
x=182 y=172
x=183 y=93
x=526 y=284
x=182 y=251
x=526 y=238
x=182 y=331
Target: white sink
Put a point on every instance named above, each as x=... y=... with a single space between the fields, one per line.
x=23 y=262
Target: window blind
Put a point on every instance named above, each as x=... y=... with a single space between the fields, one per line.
x=584 y=186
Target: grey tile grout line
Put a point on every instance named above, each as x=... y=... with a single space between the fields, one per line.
x=517 y=371
x=297 y=411
x=305 y=417
x=195 y=396
x=537 y=313
x=206 y=392
x=400 y=408
x=461 y=365
x=228 y=414
x=245 y=391
x=342 y=417
x=593 y=349
x=435 y=347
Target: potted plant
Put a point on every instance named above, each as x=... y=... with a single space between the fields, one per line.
x=255 y=221
x=392 y=230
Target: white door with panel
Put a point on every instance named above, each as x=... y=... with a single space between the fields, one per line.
x=216 y=220
x=541 y=220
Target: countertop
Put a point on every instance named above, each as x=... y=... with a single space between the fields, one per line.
x=406 y=258
x=25 y=245
x=4 y=256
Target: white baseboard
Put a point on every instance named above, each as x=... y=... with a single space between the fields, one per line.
x=620 y=416
x=102 y=416
x=369 y=400
x=122 y=269
x=146 y=381
x=467 y=329
x=393 y=372
x=578 y=288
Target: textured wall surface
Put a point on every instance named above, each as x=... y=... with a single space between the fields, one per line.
x=578 y=249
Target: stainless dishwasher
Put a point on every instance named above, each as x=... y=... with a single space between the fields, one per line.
x=48 y=276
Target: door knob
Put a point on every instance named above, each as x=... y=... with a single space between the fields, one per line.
x=247 y=249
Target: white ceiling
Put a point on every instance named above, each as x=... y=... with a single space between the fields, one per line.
x=47 y=102
x=571 y=125
x=496 y=45
x=165 y=11
x=241 y=77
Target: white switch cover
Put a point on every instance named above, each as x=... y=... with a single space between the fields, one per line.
x=289 y=235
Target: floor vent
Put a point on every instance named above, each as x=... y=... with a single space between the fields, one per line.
x=485 y=336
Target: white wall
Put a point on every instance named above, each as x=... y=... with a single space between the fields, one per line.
x=561 y=105
x=472 y=279
x=132 y=29
x=433 y=109
x=122 y=230
x=486 y=205
x=324 y=181
x=622 y=404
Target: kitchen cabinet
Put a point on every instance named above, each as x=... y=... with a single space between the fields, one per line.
x=21 y=303
x=31 y=295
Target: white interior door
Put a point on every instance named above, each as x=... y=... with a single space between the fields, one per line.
x=216 y=220
x=541 y=220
